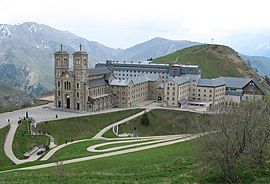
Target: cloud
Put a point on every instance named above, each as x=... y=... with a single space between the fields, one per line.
x=121 y=23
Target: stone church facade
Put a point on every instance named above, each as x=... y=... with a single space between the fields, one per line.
x=81 y=88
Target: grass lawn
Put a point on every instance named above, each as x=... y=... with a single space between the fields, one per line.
x=75 y=150
x=80 y=149
x=24 y=141
x=168 y=164
x=4 y=160
x=162 y=122
x=82 y=127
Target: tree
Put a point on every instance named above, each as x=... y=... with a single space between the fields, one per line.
x=145 y=120
x=240 y=137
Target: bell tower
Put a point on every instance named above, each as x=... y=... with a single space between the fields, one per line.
x=61 y=62
x=80 y=70
x=61 y=65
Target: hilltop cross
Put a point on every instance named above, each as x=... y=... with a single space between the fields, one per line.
x=80 y=47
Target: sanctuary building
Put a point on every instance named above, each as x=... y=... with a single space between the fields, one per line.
x=126 y=84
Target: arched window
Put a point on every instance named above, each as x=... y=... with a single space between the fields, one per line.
x=58 y=92
x=58 y=84
x=78 y=86
x=78 y=95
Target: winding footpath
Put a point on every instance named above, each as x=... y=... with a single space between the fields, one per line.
x=44 y=114
x=103 y=155
x=40 y=114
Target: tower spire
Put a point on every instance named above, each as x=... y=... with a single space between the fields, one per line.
x=80 y=47
x=61 y=47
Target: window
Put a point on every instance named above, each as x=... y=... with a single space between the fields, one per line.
x=58 y=92
x=78 y=85
x=58 y=84
x=78 y=95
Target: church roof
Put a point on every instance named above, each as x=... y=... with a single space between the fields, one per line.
x=96 y=82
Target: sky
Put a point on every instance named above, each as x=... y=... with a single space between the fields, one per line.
x=123 y=23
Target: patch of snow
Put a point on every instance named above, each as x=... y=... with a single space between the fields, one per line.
x=37 y=46
x=32 y=29
x=4 y=32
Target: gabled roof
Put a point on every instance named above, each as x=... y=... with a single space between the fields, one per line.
x=160 y=85
x=118 y=82
x=152 y=77
x=96 y=82
x=235 y=82
x=99 y=71
x=180 y=80
x=216 y=82
x=139 y=79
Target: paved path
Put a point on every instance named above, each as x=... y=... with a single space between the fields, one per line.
x=119 y=152
x=104 y=130
x=150 y=140
x=8 y=146
x=40 y=114
x=47 y=113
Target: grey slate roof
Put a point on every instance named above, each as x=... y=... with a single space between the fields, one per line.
x=180 y=80
x=152 y=77
x=96 y=82
x=136 y=80
x=215 y=82
x=139 y=79
x=118 y=82
x=99 y=71
x=235 y=82
x=160 y=85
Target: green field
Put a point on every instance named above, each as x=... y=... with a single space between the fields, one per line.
x=75 y=150
x=4 y=160
x=82 y=127
x=170 y=164
x=24 y=141
x=213 y=60
x=162 y=122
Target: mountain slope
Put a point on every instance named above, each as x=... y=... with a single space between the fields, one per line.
x=260 y=64
x=153 y=48
x=214 y=61
x=26 y=53
x=11 y=97
x=28 y=50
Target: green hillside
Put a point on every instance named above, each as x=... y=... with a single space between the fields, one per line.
x=214 y=60
x=6 y=89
